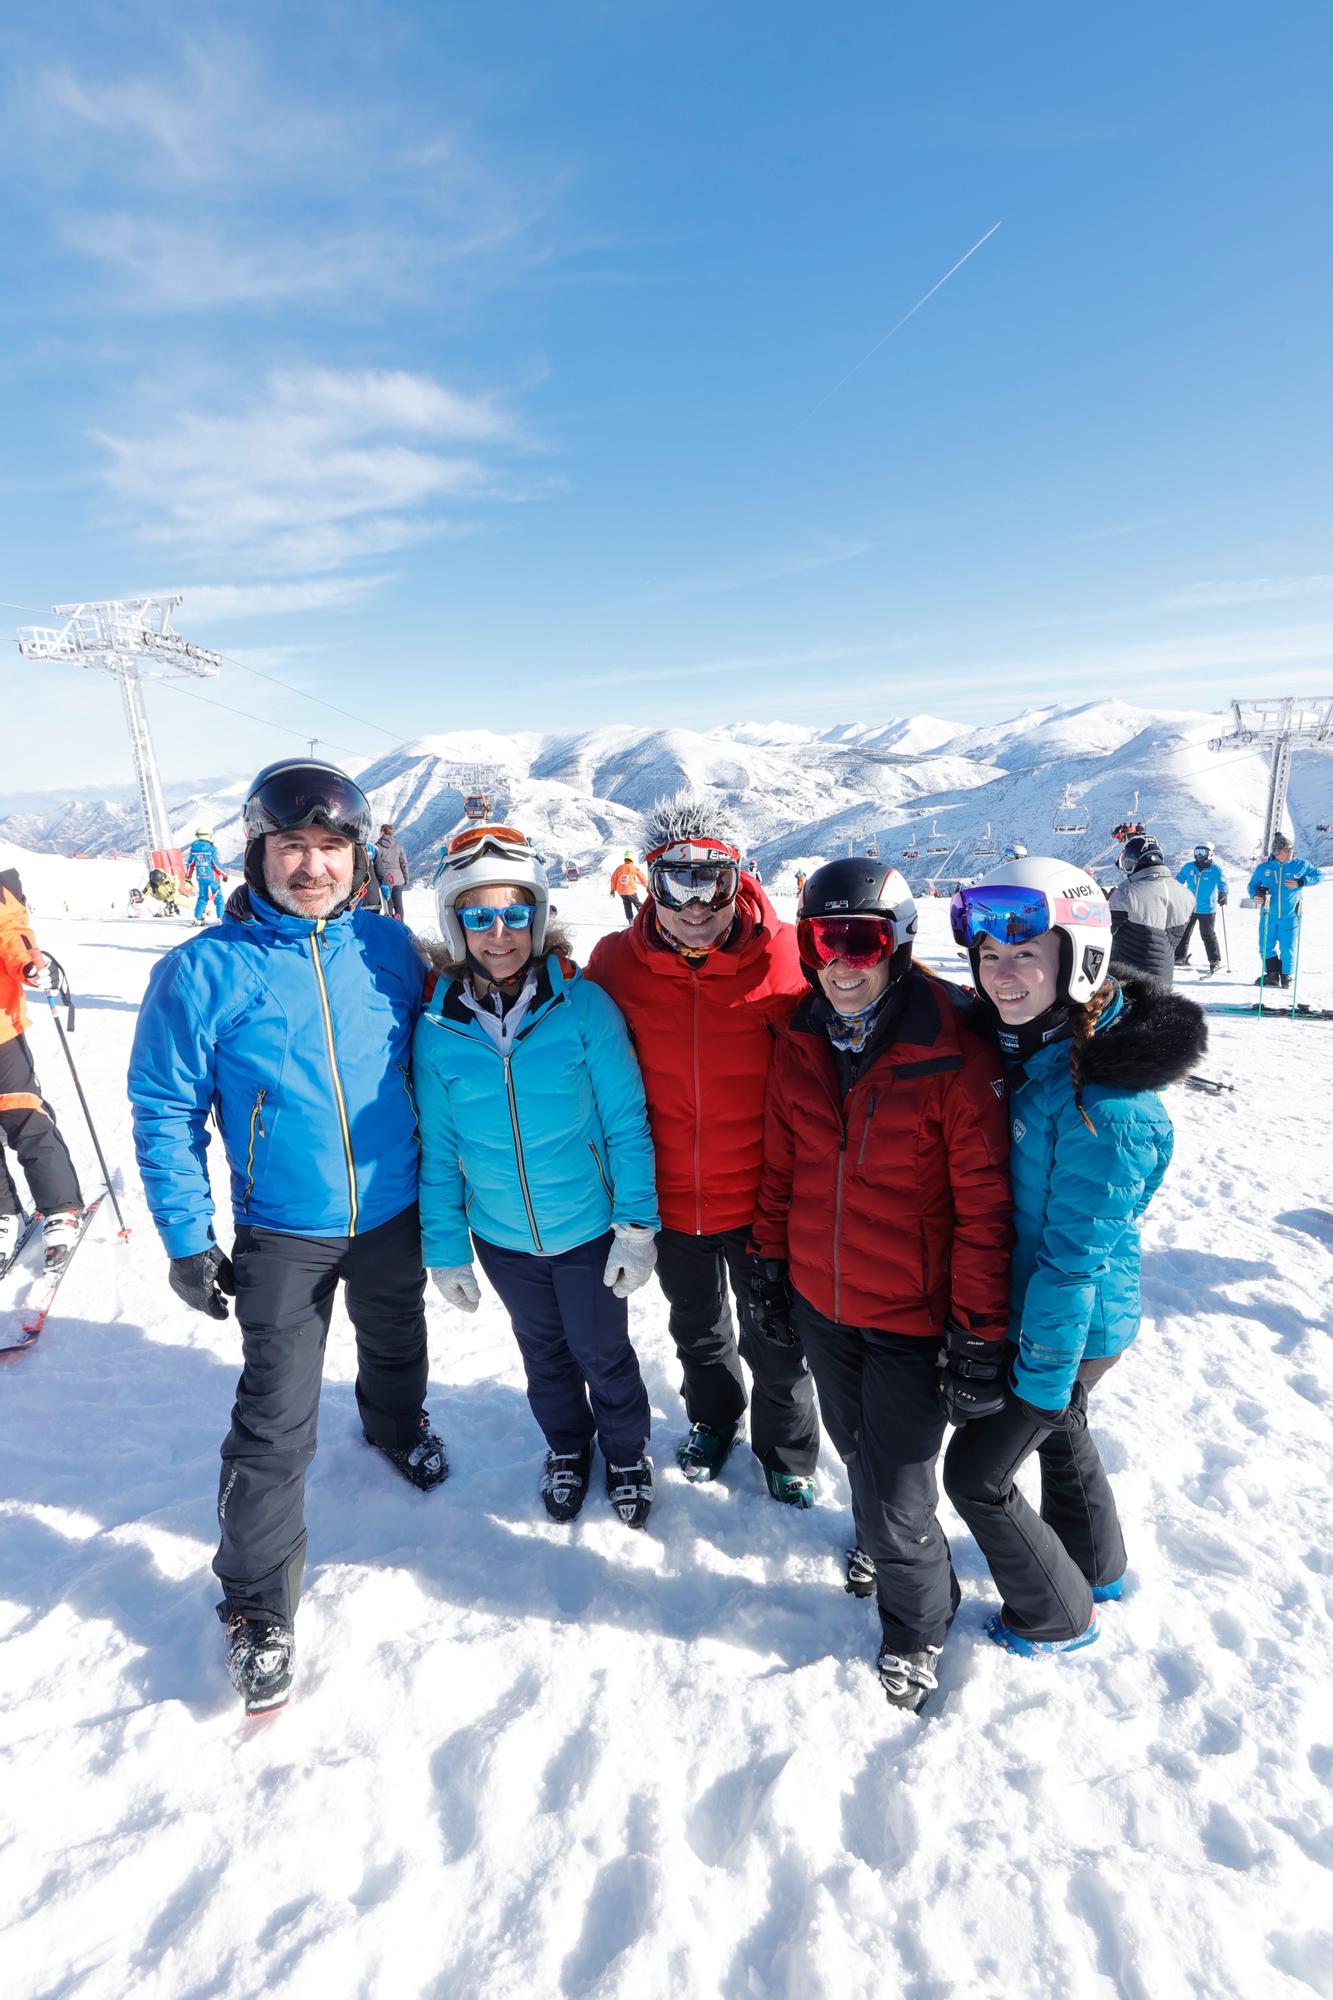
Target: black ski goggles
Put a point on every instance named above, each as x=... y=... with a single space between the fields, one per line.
x=676 y=884
x=307 y=796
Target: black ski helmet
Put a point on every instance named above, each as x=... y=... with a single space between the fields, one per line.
x=859 y=887
x=1140 y=851
x=305 y=791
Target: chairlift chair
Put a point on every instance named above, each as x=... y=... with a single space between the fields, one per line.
x=936 y=842
x=984 y=846
x=1070 y=816
x=872 y=850
x=911 y=854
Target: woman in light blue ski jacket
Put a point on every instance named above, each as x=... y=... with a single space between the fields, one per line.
x=535 y=1152
x=1090 y=1140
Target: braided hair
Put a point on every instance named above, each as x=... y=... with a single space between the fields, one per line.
x=1083 y=1019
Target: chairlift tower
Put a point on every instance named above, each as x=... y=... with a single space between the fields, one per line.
x=1282 y=725
x=114 y=636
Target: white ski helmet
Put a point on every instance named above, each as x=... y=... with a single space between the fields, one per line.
x=489 y=857
x=1021 y=900
x=1015 y=851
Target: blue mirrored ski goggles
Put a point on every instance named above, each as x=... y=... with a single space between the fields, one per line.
x=1016 y=916
x=514 y=917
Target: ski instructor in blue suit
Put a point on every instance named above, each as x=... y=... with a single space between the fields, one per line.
x=1207 y=884
x=291 y=1024
x=1278 y=883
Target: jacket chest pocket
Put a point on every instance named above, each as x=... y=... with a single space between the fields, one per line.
x=900 y=1131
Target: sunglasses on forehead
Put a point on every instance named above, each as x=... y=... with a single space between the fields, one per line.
x=858 y=941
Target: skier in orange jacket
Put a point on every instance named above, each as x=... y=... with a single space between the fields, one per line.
x=27 y=1121
x=626 y=882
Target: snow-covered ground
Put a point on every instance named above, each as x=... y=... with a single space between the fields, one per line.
x=524 y=1760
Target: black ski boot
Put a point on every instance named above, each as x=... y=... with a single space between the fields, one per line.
x=259 y=1662
x=423 y=1464
x=908 y=1679
x=860 y=1573
x=703 y=1453
x=630 y=1490
x=564 y=1486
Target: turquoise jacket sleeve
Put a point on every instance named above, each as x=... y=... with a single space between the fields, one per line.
x=444 y=1232
x=618 y=1092
x=171 y=1084
x=1100 y=1185
x=1313 y=875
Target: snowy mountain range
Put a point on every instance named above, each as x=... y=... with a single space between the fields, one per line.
x=926 y=794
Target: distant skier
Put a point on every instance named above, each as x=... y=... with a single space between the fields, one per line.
x=883 y=1226
x=1091 y=1140
x=801 y=879
x=626 y=882
x=1207 y=884
x=203 y=867
x=1149 y=910
x=391 y=871
x=704 y=976
x=160 y=889
x=27 y=1121
x=290 y=1028
x=1278 y=883
x=535 y=1152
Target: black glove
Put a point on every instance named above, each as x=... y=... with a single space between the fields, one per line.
x=971 y=1374
x=1296 y=882
x=770 y=1300
x=1073 y=1417
x=1222 y=900
x=202 y=1279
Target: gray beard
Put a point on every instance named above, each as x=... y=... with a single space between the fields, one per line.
x=282 y=899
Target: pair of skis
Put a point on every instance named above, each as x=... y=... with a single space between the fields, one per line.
x=32 y=1318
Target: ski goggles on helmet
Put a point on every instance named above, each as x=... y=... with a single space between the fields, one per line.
x=1016 y=916
x=858 y=941
x=306 y=795
x=678 y=883
x=479 y=918
x=477 y=839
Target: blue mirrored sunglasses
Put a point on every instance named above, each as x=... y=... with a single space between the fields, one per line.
x=514 y=917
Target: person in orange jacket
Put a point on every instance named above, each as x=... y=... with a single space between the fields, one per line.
x=626 y=882
x=26 y=1119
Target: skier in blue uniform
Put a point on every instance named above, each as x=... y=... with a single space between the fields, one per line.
x=203 y=867
x=1204 y=879
x=1278 y=883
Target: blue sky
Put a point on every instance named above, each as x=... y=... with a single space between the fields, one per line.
x=488 y=365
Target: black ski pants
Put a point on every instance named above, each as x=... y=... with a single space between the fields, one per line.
x=573 y=1333
x=284 y=1301
x=632 y=906
x=879 y=1398
x=1044 y=1565
x=29 y=1125
x=784 y=1424
x=1207 y=923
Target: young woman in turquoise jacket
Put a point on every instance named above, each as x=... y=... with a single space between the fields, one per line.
x=535 y=1149
x=1090 y=1141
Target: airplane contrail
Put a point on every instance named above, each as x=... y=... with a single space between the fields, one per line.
x=901 y=323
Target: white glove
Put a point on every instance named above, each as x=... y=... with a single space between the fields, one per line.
x=633 y=1255
x=458 y=1287
x=41 y=978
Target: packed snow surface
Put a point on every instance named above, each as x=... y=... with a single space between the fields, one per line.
x=525 y=1760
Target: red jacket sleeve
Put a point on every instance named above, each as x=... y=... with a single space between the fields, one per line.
x=768 y=1231
x=976 y=1132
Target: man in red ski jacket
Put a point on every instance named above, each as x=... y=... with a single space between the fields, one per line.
x=705 y=976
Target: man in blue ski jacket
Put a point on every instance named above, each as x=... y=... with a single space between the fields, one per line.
x=203 y=867
x=1278 y=883
x=1207 y=884
x=291 y=1026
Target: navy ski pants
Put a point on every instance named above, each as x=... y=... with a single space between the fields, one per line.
x=784 y=1424
x=1044 y=1565
x=880 y=1400
x=284 y=1301
x=573 y=1333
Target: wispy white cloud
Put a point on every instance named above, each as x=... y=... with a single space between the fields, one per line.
x=726 y=672
x=820 y=552
x=1245 y=590
x=319 y=470
x=209 y=604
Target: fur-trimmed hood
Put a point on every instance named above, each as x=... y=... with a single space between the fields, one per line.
x=1156 y=1038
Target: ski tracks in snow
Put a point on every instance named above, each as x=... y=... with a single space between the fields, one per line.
x=521 y=1759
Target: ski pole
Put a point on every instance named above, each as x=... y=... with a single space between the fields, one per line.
x=1296 y=963
x=1226 y=945
x=68 y=998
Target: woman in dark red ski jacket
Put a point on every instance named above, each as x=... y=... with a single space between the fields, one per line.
x=885 y=1204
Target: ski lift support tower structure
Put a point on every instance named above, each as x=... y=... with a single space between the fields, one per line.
x=115 y=636
x=1281 y=725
